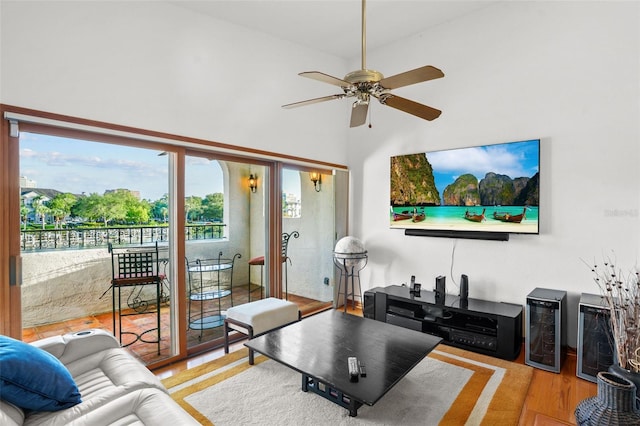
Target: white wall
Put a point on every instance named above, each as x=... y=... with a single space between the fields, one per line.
x=311 y=255
x=565 y=72
x=157 y=66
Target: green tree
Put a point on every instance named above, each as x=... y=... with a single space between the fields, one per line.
x=41 y=209
x=91 y=207
x=60 y=206
x=117 y=204
x=103 y=208
x=164 y=211
x=24 y=214
x=212 y=207
x=138 y=211
x=192 y=207
x=160 y=208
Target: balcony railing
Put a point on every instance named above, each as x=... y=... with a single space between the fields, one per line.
x=51 y=239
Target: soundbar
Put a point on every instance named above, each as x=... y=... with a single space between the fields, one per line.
x=471 y=235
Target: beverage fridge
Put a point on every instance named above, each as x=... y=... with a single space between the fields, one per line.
x=545 y=328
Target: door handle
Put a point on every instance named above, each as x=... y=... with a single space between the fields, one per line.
x=15 y=270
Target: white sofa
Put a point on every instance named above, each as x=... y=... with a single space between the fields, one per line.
x=116 y=389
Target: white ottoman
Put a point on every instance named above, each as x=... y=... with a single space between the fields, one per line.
x=255 y=318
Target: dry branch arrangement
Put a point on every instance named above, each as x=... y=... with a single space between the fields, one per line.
x=621 y=291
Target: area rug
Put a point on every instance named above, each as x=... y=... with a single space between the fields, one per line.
x=449 y=387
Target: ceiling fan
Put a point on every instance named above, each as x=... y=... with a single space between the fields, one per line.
x=364 y=83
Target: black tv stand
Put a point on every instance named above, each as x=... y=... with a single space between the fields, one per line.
x=490 y=328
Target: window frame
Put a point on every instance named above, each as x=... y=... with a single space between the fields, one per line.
x=35 y=121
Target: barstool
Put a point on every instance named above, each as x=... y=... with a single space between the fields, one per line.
x=259 y=261
x=132 y=269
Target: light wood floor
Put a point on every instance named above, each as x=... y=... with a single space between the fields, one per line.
x=551 y=400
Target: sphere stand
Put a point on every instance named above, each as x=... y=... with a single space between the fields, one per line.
x=350 y=265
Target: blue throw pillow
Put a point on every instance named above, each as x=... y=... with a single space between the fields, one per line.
x=33 y=379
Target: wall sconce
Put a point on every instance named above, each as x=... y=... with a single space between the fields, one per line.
x=316 y=178
x=253 y=183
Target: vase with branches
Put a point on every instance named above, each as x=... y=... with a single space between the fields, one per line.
x=620 y=289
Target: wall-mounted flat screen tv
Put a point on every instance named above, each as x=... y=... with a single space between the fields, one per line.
x=488 y=189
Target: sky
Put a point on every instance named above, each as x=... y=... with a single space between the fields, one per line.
x=515 y=159
x=75 y=166
x=70 y=165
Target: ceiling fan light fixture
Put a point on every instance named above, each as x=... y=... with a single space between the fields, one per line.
x=364 y=83
x=362 y=98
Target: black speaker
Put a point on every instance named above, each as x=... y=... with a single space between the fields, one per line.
x=464 y=287
x=464 y=291
x=369 y=310
x=380 y=311
x=440 y=290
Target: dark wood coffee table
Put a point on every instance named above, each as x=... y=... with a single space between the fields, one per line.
x=319 y=346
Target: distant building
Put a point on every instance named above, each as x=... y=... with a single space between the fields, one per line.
x=28 y=194
x=291 y=205
x=134 y=193
x=25 y=182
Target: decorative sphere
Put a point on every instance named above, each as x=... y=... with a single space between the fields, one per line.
x=349 y=245
x=350 y=252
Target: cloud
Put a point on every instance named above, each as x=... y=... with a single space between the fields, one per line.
x=196 y=161
x=115 y=165
x=78 y=166
x=479 y=161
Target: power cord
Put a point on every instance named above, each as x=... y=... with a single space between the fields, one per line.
x=453 y=253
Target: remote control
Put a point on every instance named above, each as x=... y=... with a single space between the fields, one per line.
x=363 y=372
x=354 y=371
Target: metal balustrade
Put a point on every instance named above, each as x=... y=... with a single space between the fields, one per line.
x=78 y=238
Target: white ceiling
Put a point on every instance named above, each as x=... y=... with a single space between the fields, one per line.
x=334 y=26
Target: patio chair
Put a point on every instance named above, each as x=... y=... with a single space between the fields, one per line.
x=133 y=269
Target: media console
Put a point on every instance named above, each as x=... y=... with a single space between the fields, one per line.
x=490 y=328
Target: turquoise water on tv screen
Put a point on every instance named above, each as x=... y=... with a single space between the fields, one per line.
x=452 y=215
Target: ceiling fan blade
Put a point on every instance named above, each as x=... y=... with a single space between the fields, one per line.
x=359 y=114
x=417 y=75
x=325 y=78
x=411 y=107
x=314 y=101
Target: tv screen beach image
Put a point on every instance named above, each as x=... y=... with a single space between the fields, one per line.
x=489 y=188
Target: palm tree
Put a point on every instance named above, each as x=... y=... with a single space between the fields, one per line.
x=41 y=209
x=24 y=214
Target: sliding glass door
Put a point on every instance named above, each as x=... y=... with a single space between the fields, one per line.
x=225 y=244
x=308 y=230
x=83 y=204
x=216 y=224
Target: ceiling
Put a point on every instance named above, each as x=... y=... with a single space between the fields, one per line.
x=334 y=26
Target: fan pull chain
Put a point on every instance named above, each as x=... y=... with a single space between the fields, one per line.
x=370 y=115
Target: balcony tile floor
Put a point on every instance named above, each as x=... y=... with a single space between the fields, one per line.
x=147 y=352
